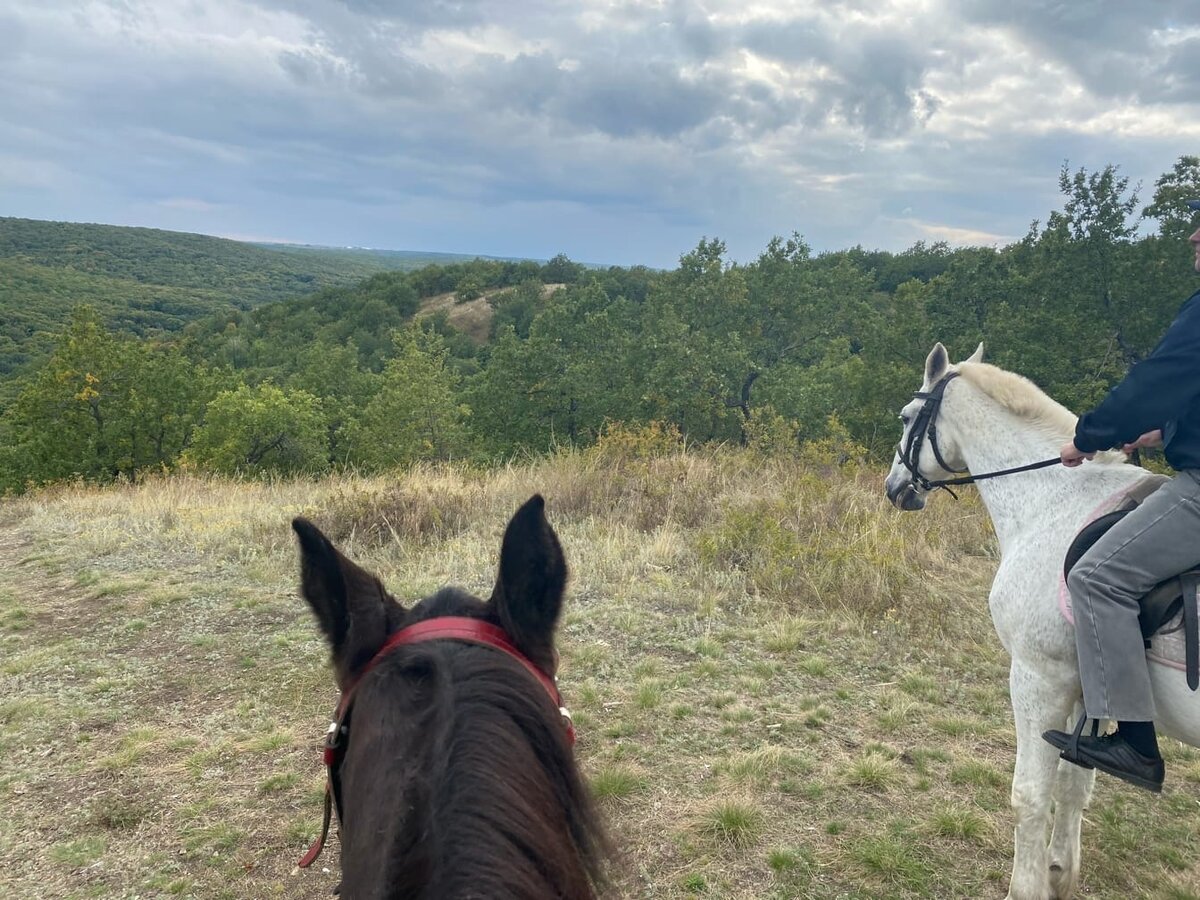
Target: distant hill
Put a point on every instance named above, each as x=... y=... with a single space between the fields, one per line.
x=145 y=281
x=398 y=260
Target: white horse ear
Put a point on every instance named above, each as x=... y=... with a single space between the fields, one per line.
x=977 y=356
x=936 y=363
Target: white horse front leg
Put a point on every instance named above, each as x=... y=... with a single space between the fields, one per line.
x=1072 y=793
x=1038 y=704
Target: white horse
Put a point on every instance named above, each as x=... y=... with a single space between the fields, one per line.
x=991 y=420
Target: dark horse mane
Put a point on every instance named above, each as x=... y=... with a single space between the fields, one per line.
x=458 y=779
x=462 y=740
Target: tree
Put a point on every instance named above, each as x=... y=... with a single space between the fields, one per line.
x=261 y=429
x=516 y=307
x=1175 y=220
x=561 y=384
x=335 y=375
x=104 y=407
x=694 y=349
x=1073 y=323
x=416 y=413
x=561 y=270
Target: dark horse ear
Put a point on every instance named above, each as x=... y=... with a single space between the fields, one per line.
x=351 y=607
x=529 y=588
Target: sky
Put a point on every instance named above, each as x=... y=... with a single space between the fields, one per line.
x=614 y=131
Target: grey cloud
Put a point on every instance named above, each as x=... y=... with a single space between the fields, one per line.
x=1180 y=82
x=418 y=16
x=622 y=99
x=618 y=141
x=796 y=41
x=879 y=86
x=875 y=78
x=1110 y=45
x=631 y=100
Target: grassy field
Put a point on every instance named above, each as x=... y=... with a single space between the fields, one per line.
x=783 y=687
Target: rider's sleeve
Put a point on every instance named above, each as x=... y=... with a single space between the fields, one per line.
x=1157 y=390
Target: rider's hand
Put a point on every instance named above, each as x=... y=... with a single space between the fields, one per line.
x=1072 y=456
x=1149 y=439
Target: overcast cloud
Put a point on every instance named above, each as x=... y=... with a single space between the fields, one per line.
x=615 y=131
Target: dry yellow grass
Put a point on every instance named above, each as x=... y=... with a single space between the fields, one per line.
x=783 y=687
x=472 y=317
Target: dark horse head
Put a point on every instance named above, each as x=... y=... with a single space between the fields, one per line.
x=456 y=776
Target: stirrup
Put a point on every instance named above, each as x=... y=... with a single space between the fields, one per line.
x=1071 y=752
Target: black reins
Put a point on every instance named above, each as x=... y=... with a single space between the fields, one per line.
x=926 y=424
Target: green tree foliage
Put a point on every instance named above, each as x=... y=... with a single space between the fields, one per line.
x=262 y=429
x=232 y=269
x=561 y=270
x=561 y=385
x=1175 y=220
x=333 y=373
x=102 y=407
x=416 y=413
x=516 y=308
x=143 y=281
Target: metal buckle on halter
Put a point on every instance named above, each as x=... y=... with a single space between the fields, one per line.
x=333 y=743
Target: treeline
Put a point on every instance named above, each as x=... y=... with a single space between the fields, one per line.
x=790 y=347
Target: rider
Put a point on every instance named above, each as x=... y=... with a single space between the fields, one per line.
x=1158 y=403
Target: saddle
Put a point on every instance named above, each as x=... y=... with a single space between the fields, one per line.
x=1165 y=600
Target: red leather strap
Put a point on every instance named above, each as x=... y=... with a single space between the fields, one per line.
x=473 y=631
x=319 y=844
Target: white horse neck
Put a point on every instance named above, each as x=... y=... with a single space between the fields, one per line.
x=992 y=438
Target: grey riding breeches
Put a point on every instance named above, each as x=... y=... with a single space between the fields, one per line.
x=1156 y=541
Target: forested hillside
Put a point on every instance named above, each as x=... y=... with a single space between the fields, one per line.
x=143 y=281
x=793 y=345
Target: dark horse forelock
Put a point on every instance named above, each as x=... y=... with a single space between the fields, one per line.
x=459 y=781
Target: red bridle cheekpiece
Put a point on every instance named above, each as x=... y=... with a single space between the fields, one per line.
x=442 y=628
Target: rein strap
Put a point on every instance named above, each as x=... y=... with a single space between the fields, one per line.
x=971 y=479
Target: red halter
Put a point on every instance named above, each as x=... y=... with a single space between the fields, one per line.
x=454 y=628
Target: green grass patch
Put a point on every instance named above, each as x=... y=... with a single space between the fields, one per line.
x=274 y=784
x=81 y=852
x=895 y=859
x=873 y=771
x=959 y=823
x=976 y=773
x=732 y=823
x=617 y=782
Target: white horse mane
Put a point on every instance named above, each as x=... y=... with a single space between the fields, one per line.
x=1027 y=401
x=1021 y=397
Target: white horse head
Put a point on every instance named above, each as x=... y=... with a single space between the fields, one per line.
x=977 y=417
x=916 y=456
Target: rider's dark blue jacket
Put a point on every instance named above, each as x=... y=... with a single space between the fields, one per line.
x=1162 y=391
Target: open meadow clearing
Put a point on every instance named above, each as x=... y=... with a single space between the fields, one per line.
x=783 y=687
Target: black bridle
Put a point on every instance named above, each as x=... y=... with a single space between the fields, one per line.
x=925 y=424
